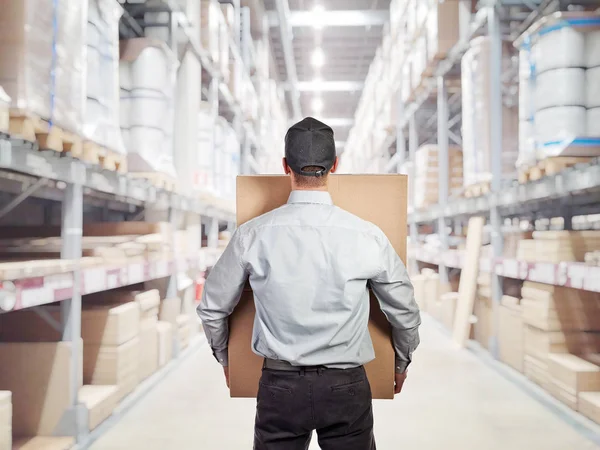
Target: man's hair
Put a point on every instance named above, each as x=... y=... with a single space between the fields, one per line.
x=308 y=181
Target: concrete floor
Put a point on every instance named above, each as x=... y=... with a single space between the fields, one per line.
x=452 y=401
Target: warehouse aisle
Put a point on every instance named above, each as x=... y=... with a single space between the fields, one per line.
x=452 y=400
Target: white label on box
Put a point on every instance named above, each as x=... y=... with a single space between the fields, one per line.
x=37 y=296
x=591 y=281
x=135 y=273
x=113 y=278
x=162 y=269
x=543 y=273
x=94 y=280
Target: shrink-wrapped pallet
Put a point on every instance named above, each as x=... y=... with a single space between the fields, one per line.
x=102 y=124
x=559 y=87
x=210 y=26
x=148 y=74
x=203 y=180
x=477 y=138
x=427 y=174
x=42 y=66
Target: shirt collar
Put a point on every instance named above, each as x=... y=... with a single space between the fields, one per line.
x=315 y=197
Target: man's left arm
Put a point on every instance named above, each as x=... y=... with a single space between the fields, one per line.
x=222 y=291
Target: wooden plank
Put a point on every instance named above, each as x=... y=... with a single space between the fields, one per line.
x=468 y=282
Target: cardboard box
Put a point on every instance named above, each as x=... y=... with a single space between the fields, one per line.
x=448 y=309
x=170 y=308
x=5 y=420
x=380 y=199
x=39 y=377
x=537 y=371
x=100 y=402
x=148 y=300
x=510 y=336
x=112 y=365
x=589 y=405
x=483 y=327
x=165 y=343
x=43 y=443
x=183 y=330
x=575 y=373
x=148 y=347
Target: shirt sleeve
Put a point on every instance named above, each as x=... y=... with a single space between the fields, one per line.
x=222 y=291
x=394 y=292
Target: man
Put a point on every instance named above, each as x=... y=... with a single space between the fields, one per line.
x=309 y=263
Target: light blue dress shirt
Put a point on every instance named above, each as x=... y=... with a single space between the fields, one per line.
x=308 y=263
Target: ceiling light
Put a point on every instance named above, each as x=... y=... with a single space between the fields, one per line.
x=318 y=8
x=317 y=105
x=318 y=57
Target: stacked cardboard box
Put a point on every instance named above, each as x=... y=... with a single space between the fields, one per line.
x=510 y=333
x=589 y=405
x=100 y=402
x=43 y=443
x=5 y=420
x=111 y=347
x=558 y=246
x=570 y=375
x=183 y=331
x=39 y=377
x=165 y=343
x=431 y=293
x=427 y=174
x=448 y=302
x=483 y=310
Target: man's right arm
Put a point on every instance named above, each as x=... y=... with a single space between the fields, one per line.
x=394 y=292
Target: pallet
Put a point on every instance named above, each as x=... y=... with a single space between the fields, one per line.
x=477 y=189
x=104 y=157
x=158 y=180
x=34 y=129
x=550 y=166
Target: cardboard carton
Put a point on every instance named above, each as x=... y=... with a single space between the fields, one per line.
x=589 y=405
x=170 y=308
x=100 y=402
x=510 y=335
x=148 y=362
x=44 y=443
x=39 y=376
x=5 y=419
x=165 y=343
x=380 y=199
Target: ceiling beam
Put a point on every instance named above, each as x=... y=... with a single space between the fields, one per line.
x=344 y=18
x=328 y=86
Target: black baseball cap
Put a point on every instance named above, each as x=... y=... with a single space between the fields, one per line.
x=310 y=143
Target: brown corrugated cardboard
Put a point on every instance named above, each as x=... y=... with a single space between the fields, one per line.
x=44 y=443
x=589 y=405
x=380 y=199
x=170 y=308
x=148 y=362
x=100 y=402
x=112 y=365
x=165 y=343
x=39 y=378
x=510 y=336
x=574 y=373
x=183 y=330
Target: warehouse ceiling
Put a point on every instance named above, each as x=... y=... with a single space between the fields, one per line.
x=333 y=44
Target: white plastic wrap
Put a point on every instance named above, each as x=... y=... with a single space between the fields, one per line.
x=527 y=156
x=560 y=87
x=562 y=123
x=592 y=49
x=477 y=139
x=42 y=59
x=593 y=123
x=561 y=48
x=148 y=70
x=592 y=82
x=102 y=123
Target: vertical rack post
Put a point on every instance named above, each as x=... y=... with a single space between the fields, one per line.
x=213 y=233
x=443 y=162
x=413 y=144
x=71 y=233
x=400 y=140
x=496 y=159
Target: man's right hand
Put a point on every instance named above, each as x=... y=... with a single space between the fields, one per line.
x=400 y=378
x=226 y=371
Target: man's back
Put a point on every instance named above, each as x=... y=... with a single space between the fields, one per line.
x=308 y=264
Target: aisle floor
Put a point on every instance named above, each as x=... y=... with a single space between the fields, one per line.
x=452 y=400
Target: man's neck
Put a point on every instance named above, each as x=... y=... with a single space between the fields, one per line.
x=318 y=189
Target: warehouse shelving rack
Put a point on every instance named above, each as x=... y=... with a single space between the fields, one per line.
x=27 y=172
x=575 y=191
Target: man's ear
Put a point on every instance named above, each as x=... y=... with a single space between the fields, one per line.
x=286 y=168
x=335 y=164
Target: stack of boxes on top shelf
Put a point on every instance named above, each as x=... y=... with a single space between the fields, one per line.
x=559 y=89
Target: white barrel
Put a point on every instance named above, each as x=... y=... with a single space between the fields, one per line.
x=593 y=123
x=560 y=123
x=592 y=49
x=145 y=150
x=592 y=81
x=148 y=109
x=151 y=70
x=526 y=107
x=93 y=78
x=558 y=49
x=560 y=87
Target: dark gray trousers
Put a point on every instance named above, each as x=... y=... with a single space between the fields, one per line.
x=335 y=403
